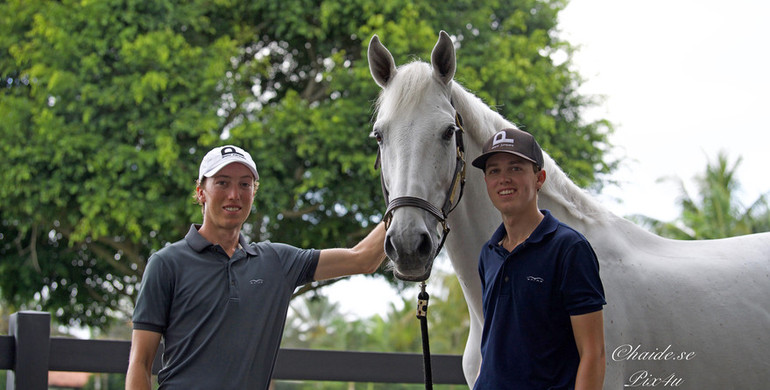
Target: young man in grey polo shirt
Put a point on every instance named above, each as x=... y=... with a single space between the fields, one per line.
x=220 y=302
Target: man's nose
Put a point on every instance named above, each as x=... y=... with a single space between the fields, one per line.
x=233 y=193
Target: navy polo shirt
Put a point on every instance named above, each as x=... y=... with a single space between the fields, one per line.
x=528 y=297
x=221 y=318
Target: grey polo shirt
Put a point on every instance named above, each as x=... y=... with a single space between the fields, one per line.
x=221 y=318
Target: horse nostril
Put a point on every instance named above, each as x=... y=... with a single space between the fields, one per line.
x=426 y=246
x=390 y=250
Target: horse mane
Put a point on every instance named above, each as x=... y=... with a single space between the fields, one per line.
x=558 y=187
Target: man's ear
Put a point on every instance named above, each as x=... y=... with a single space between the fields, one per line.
x=200 y=195
x=540 y=178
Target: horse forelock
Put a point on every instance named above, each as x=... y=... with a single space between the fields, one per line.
x=406 y=89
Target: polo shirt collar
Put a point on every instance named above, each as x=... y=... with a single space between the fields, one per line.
x=497 y=236
x=198 y=243
x=547 y=226
x=245 y=244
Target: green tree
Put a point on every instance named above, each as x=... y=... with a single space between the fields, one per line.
x=716 y=211
x=105 y=105
x=108 y=106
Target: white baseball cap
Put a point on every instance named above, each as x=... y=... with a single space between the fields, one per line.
x=222 y=156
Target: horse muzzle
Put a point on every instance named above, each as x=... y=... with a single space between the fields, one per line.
x=410 y=245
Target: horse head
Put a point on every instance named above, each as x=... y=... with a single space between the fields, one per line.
x=420 y=154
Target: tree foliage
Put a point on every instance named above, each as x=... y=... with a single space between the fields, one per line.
x=108 y=107
x=715 y=212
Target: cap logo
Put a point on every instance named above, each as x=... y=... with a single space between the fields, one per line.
x=500 y=139
x=227 y=150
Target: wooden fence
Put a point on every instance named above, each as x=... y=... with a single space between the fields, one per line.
x=29 y=352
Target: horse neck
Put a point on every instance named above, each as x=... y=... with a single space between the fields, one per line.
x=570 y=203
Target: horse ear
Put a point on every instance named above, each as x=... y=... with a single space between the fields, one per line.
x=381 y=63
x=443 y=58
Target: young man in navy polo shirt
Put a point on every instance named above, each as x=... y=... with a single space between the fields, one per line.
x=542 y=295
x=219 y=301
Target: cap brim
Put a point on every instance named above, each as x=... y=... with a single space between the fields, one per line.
x=213 y=171
x=480 y=162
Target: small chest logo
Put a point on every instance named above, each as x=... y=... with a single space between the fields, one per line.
x=256 y=282
x=535 y=279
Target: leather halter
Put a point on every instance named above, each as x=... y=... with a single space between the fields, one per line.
x=452 y=196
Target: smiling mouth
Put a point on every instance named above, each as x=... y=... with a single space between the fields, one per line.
x=506 y=192
x=232 y=209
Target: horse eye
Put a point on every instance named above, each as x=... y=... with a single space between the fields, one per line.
x=449 y=132
x=377 y=136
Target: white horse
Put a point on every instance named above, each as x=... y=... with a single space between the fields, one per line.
x=691 y=314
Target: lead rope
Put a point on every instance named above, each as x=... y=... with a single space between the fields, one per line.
x=422 y=315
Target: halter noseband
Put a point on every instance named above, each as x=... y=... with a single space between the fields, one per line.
x=458 y=181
